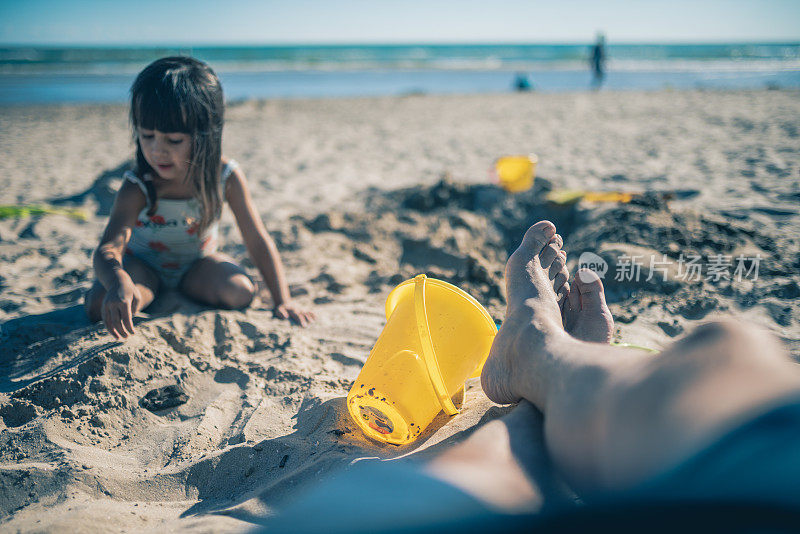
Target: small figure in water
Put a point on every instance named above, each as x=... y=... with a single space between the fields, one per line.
x=598 y=60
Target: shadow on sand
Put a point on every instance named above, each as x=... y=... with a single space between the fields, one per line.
x=28 y=342
x=102 y=190
x=274 y=472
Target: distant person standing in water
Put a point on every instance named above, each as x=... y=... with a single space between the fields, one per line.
x=598 y=60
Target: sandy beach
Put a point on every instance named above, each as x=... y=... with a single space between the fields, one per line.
x=359 y=194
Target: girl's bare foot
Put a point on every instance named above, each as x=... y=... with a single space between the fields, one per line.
x=585 y=312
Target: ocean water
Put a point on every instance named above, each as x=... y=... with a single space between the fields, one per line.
x=74 y=75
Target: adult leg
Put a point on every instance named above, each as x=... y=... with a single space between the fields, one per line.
x=219 y=281
x=146 y=280
x=615 y=417
x=505 y=464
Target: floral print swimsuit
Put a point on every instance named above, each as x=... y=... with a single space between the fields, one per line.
x=168 y=241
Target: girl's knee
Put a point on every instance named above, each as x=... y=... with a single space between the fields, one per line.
x=237 y=292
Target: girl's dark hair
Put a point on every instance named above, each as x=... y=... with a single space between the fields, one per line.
x=182 y=94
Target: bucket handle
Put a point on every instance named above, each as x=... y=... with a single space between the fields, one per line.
x=429 y=356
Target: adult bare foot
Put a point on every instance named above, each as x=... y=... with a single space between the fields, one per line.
x=585 y=312
x=533 y=317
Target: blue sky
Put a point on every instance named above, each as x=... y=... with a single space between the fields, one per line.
x=195 y=22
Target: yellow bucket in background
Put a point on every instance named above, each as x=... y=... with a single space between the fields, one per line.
x=436 y=336
x=515 y=173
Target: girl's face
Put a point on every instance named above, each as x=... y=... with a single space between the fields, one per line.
x=169 y=154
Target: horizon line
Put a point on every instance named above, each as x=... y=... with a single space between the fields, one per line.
x=335 y=44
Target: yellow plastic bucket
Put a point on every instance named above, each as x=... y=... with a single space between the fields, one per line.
x=436 y=336
x=516 y=173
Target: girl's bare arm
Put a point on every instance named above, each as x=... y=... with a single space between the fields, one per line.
x=108 y=255
x=262 y=248
x=119 y=305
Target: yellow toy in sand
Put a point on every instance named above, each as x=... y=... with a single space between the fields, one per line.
x=515 y=173
x=436 y=336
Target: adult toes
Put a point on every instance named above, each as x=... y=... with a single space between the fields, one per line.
x=557 y=266
x=590 y=288
x=560 y=279
x=549 y=254
x=538 y=236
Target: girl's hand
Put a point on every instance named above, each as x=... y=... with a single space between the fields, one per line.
x=290 y=310
x=119 y=305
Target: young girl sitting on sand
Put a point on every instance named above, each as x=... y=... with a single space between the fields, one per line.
x=163 y=227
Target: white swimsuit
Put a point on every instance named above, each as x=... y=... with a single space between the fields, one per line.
x=168 y=241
